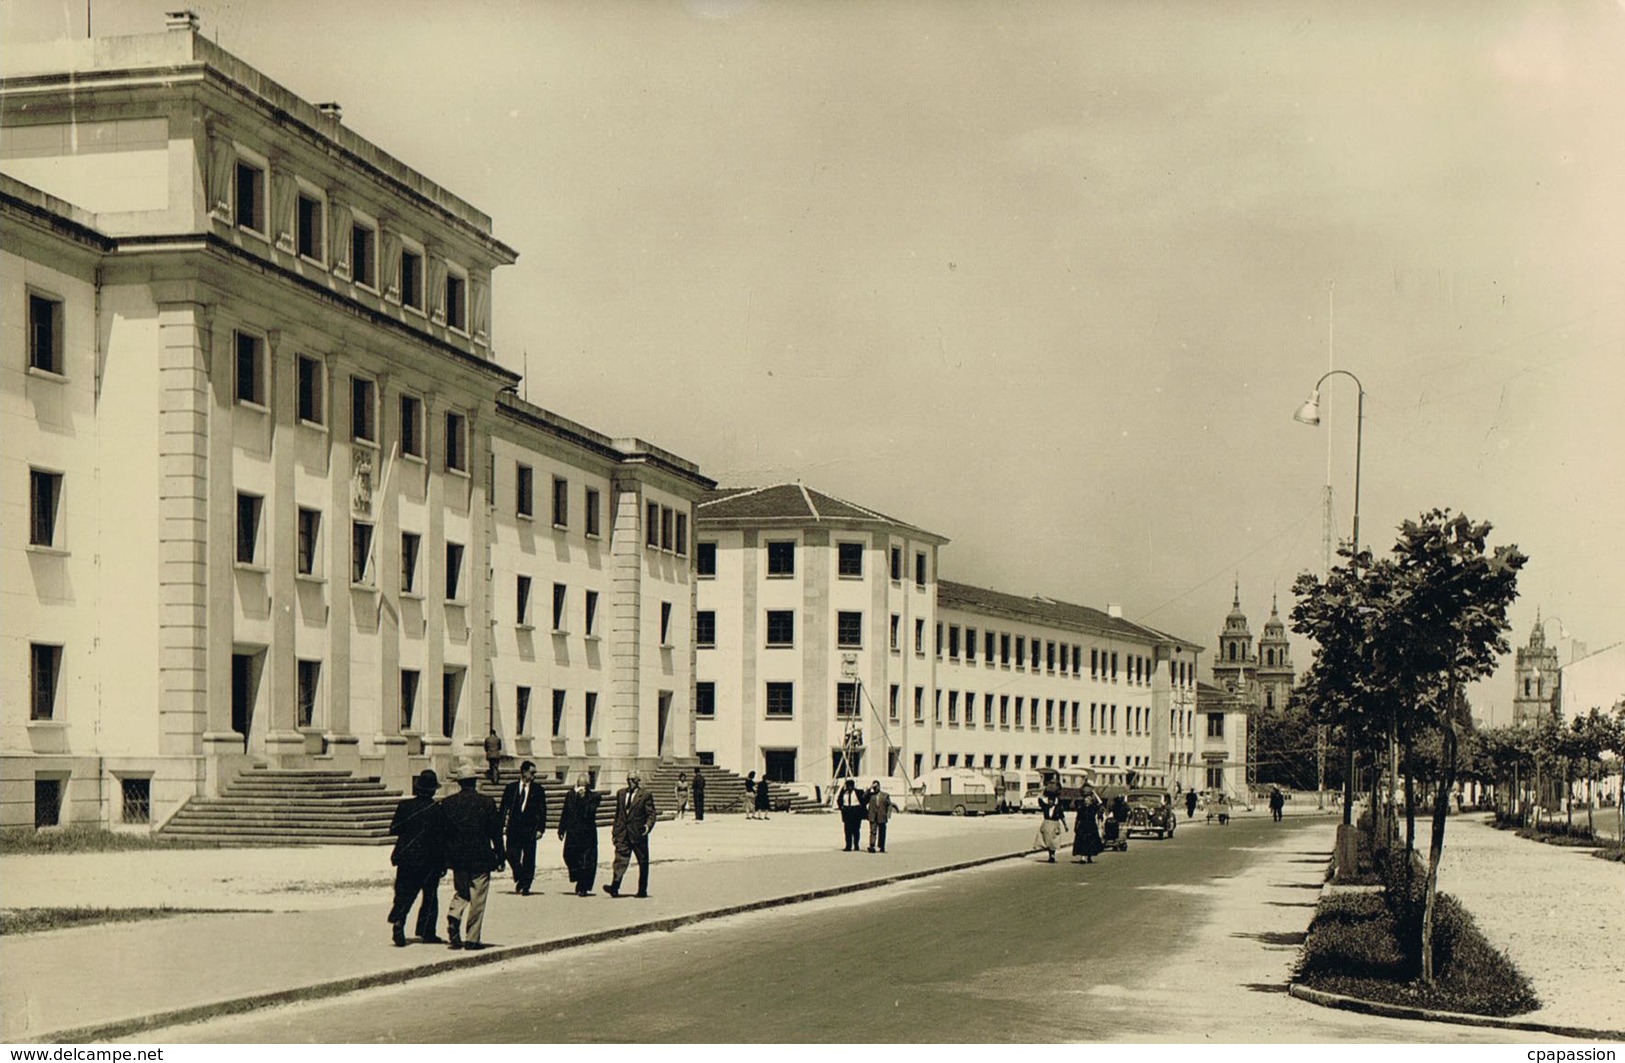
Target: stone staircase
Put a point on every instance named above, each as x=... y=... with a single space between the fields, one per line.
x=724 y=790
x=266 y=806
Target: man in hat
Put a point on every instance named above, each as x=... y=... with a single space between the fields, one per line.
x=634 y=821
x=419 y=826
x=524 y=813
x=473 y=851
x=879 y=811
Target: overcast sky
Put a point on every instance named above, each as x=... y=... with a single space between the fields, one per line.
x=1047 y=278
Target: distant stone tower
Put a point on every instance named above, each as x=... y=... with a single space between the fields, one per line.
x=1537 y=678
x=1234 y=665
x=1275 y=673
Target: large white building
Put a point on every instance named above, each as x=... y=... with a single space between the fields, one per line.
x=266 y=497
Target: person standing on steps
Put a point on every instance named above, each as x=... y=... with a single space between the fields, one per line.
x=524 y=814
x=850 y=803
x=879 y=811
x=493 y=757
x=634 y=822
x=578 y=826
x=699 y=794
x=473 y=851
x=419 y=826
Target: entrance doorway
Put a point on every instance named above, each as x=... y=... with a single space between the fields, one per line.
x=779 y=765
x=246 y=669
x=662 y=718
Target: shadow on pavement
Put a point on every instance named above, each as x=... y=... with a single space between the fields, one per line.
x=1266 y=987
x=1292 y=904
x=1291 y=938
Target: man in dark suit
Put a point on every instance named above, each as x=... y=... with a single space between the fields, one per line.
x=699 y=794
x=473 y=851
x=634 y=821
x=852 y=804
x=524 y=814
x=419 y=826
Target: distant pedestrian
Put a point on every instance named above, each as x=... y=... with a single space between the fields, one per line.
x=419 y=827
x=634 y=821
x=524 y=817
x=1277 y=803
x=1053 y=820
x=1190 y=802
x=578 y=826
x=764 y=798
x=682 y=794
x=493 y=757
x=879 y=811
x=849 y=802
x=750 y=795
x=473 y=851
x=1086 y=842
x=699 y=794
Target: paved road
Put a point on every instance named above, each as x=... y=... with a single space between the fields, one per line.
x=1020 y=951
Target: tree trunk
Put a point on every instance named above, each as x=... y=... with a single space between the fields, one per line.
x=1410 y=813
x=1436 y=843
x=1568 y=791
x=1348 y=784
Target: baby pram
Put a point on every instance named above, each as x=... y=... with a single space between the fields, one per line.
x=1112 y=835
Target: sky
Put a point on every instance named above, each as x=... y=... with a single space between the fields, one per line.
x=1049 y=279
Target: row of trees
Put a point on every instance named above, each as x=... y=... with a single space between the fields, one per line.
x=1531 y=767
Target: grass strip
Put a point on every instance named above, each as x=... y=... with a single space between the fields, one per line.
x=20 y=841
x=39 y=920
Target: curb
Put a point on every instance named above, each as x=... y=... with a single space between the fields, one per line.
x=338 y=987
x=1400 y=1011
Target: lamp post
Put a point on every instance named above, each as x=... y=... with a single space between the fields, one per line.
x=1309 y=414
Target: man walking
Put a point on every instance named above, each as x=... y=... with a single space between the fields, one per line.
x=419 y=826
x=493 y=756
x=473 y=851
x=1277 y=803
x=850 y=802
x=1190 y=802
x=879 y=811
x=524 y=815
x=634 y=821
x=699 y=795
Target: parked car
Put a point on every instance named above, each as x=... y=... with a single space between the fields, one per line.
x=1150 y=812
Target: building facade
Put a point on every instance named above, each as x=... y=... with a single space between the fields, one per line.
x=250 y=460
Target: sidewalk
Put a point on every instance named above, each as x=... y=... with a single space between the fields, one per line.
x=319 y=927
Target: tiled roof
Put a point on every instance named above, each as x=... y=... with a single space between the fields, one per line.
x=790 y=503
x=1050 y=611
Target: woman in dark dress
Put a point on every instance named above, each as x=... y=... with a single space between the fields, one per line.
x=764 y=798
x=578 y=826
x=1086 y=834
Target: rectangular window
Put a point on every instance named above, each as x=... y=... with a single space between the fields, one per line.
x=919 y=638
x=1075 y=711
x=936 y=708
x=939 y=642
x=1004 y=650
x=705 y=628
x=594 y=521
x=521 y=710
x=781 y=700
x=705 y=560
x=456 y=302
x=896 y=633
x=1021 y=652
x=456 y=442
x=1049 y=714
x=970 y=645
x=667 y=538
x=651 y=524
x=454 y=571
x=411 y=279
x=310 y=226
x=360 y=551
x=919 y=569
x=47 y=803
x=891 y=703
x=1215 y=725
x=897 y=564
x=665 y=623
x=987 y=710
x=524 y=490
x=781 y=627
x=679 y=544
x=953 y=708
x=45 y=333
x=309 y=680
x=781 y=558
x=591 y=614
x=919 y=704
x=1004 y=710
x=249 y=510
x=364 y=255
x=1049 y=657
x=560 y=593
x=589 y=703
x=561 y=502
x=846 y=700
x=558 y=714
x=250 y=368
x=250 y=196
x=1021 y=703
x=1094 y=664
x=409 y=697
x=135 y=800
x=849 y=563
x=1114 y=666
x=970 y=708
x=412 y=426
x=849 y=630
x=522 y=601
x=312 y=410
x=987 y=648
x=44 y=501
x=1113 y=719
x=705 y=700
x=44 y=669
x=953 y=642
x=363 y=410
x=310 y=532
x=409 y=561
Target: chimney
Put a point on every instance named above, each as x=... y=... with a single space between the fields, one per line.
x=331 y=111
x=1114 y=610
x=181 y=21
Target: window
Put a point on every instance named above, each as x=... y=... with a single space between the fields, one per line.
x=1049 y=714
x=363 y=410
x=522 y=601
x=524 y=490
x=409 y=697
x=1004 y=650
x=919 y=638
x=457 y=302
x=558 y=714
x=953 y=642
x=136 y=800
x=456 y=442
x=560 y=593
x=1021 y=652
x=987 y=648
x=250 y=196
x=651 y=524
x=1004 y=711
x=970 y=708
x=939 y=642
x=846 y=700
x=311 y=227
x=1094 y=664
x=409 y=561
x=891 y=703
x=896 y=635
x=665 y=623
x=849 y=630
x=45 y=668
x=47 y=803
x=919 y=569
x=310 y=675
x=45 y=333
x=594 y=520
x=781 y=558
x=590 y=714
x=849 y=562
x=781 y=627
x=781 y=700
x=667 y=538
x=705 y=628
x=364 y=255
x=412 y=426
x=591 y=614
x=705 y=560
x=679 y=544
x=1215 y=725
x=521 y=710
x=250 y=368
x=561 y=502
x=411 y=278
x=953 y=708
x=970 y=645
x=360 y=551
x=44 y=500
x=987 y=710
x=309 y=384
x=1114 y=667
x=310 y=529
x=1021 y=703
x=919 y=704
x=249 y=510
x=897 y=564
x=1113 y=720
x=705 y=700
x=1049 y=657
x=454 y=571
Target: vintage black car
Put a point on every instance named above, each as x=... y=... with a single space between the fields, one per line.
x=1149 y=812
